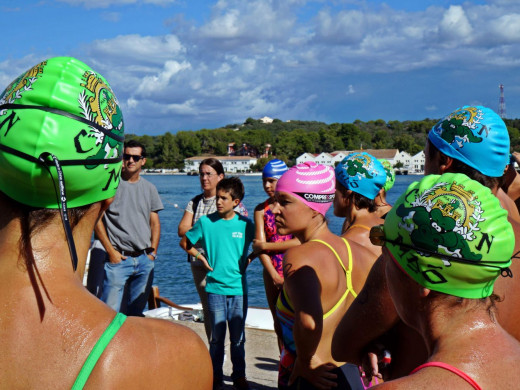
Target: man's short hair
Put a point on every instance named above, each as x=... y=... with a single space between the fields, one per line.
x=135 y=144
x=233 y=185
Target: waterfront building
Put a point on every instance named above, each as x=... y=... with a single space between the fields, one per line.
x=231 y=164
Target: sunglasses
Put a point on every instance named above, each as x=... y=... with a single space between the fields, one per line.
x=134 y=157
x=377 y=237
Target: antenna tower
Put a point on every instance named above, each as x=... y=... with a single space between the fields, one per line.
x=502 y=103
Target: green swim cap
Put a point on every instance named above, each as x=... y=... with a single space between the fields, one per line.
x=390 y=174
x=60 y=110
x=450 y=234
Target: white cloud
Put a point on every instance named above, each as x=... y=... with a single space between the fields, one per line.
x=350 y=90
x=455 y=25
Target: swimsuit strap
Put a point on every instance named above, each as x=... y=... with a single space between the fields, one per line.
x=98 y=349
x=359 y=226
x=266 y=205
x=452 y=369
x=348 y=275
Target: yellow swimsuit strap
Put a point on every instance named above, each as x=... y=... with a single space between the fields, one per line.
x=348 y=274
x=359 y=226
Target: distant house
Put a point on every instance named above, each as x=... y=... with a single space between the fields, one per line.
x=305 y=157
x=266 y=119
x=231 y=164
x=417 y=163
x=413 y=164
x=405 y=159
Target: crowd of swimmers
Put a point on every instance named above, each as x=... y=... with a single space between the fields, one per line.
x=418 y=294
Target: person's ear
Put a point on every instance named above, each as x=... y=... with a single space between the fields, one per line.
x=236 y=202
x=424 y=292
x=446 y=163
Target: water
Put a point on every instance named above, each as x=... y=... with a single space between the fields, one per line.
x=172 y=271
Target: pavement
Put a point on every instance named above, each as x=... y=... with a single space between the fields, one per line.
x=262 y=357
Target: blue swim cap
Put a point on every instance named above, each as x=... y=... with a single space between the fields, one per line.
x=390 y=174
x=275 y=169
x=475 y=135
x=362 y=173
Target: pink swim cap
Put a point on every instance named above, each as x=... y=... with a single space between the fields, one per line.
x=314 y=184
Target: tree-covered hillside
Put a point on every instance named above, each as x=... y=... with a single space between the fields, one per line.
x=290 y=139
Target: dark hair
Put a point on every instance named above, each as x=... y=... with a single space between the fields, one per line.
x=358 y=200
x=135 y=144
x=33 y=220
x=459 y=167
x=213 y=163
x=233 y=185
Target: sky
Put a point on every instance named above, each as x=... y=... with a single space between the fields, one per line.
x=193 y=64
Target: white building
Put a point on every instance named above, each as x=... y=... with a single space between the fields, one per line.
x=405 y=159
x=231 y=164
x=417 y=163
x=266 y=119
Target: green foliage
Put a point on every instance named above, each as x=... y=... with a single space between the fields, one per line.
x=290 y=139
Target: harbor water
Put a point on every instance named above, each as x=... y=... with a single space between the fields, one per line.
x=172 y=271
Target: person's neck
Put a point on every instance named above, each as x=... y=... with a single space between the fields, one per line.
x=227 y=215
x=50 y=251
x=445 y=327
x=210 y=193
x=316 y=229
x=131 y=177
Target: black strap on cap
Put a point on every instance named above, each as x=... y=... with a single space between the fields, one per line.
x=63 y=163
x=62 y=201
x=11 y=106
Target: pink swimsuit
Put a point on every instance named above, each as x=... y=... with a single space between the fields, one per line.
x=450 y=368
x=271 y=235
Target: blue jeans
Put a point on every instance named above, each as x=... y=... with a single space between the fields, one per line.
x=137 y=272
x=233 y=310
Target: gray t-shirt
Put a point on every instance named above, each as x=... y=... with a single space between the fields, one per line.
x=127 y=220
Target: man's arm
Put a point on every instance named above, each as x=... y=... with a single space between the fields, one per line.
x=101 y=233
x=155 y=226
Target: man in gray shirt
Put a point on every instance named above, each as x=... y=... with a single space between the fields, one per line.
x=130 y=232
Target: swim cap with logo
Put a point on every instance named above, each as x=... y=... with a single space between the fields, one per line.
x=361 y=173
x=314 y=184
x=390 y=174
x=60 y=110
x=274 y=169
x=475 y=135
x=450 y=235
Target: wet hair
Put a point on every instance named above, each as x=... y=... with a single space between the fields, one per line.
x=233 y=185
x=135 y=144
x=490 y=302
x=358 y=200
x=213 y=163
x=460 y=167
x=34 y=220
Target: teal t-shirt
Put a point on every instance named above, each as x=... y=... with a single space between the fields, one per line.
x=226 y=244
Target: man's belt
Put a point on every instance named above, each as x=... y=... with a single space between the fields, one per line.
x=138 y=253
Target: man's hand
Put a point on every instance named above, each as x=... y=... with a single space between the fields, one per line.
x=315 y=372
x=115 y=257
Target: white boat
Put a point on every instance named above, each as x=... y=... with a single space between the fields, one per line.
x=257 y=317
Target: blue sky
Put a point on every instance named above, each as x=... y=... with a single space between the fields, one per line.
x=192 y=64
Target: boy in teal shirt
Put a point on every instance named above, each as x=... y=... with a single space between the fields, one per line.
x=225 y=237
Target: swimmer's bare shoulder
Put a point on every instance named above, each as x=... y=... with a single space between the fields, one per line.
x=153 y=353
